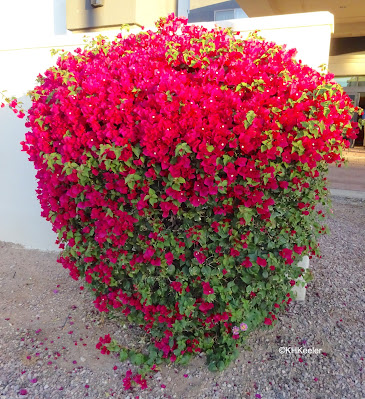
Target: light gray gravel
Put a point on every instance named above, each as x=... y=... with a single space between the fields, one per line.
x=44 y=313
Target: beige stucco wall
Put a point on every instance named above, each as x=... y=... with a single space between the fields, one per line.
x=82 y=16
x=349 y=14
x=347 y=64
x=309 y=33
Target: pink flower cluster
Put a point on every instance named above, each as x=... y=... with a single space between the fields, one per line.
x=137 y=379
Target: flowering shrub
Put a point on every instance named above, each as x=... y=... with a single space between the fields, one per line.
x=181 y=170
x=15 y=105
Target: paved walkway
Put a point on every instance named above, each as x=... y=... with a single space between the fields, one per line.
x=349 y=181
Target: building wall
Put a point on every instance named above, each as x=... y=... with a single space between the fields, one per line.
x=24 y=53
x=23 y=21
x=347 y=56
x=23 y=57
x=82 y=16
x=204 y=11
x=28 y=30
x=309 y=33
x=348 y=64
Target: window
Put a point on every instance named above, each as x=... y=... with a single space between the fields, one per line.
x=234 y=13
x=350 y=81
x=239 y=13
x=221 y=15
x=361 y=80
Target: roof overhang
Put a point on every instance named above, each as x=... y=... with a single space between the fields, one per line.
x=349 y=14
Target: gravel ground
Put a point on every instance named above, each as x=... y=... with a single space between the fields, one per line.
x=49 y=328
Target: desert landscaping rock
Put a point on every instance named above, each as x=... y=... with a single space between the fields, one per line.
x=49 y=329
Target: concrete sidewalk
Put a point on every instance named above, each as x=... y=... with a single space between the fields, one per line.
x=349 y=181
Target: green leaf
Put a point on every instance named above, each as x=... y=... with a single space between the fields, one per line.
x=182 y=149
x=221 y=366
x=212 y=366
x=171 y=269
x=250 y=116
x=246 y=213
x=40 y=122
x=194 y=270
x=123 y=355
x=206 y=271
x=168 y=94
x=137 y=151
x=242 y=85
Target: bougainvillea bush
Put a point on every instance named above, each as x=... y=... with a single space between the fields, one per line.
x=182 y=170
